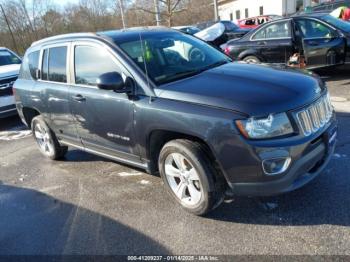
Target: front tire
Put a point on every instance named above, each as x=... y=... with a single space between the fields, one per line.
x=46 y=139
x=190 y=177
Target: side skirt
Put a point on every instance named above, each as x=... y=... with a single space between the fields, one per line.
x=140 y=165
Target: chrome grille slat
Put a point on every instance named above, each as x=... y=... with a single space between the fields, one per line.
x=315 y=116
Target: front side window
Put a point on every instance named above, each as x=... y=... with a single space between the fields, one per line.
x=313 y=29
x=7 y=58
x=275 y=30
x=54 y=66
x=171 y=56
x=91 y=62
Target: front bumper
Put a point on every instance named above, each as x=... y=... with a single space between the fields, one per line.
x=7 y=106
x=307 y=163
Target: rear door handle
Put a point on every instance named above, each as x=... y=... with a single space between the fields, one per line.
x=79 y=98
x=262 y=43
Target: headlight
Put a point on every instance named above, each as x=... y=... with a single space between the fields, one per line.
x=260 y=128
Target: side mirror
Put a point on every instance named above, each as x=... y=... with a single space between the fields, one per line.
x=111 y=81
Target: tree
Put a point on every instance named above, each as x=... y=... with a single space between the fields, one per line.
x=168 y=8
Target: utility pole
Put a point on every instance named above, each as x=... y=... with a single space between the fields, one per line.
x=157 y=12
x=121 y=6
x=8 y=25
x=216 y=12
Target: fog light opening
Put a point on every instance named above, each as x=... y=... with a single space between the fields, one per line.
x=275 y=166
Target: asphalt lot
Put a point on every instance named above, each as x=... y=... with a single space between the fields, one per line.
x=90 y=205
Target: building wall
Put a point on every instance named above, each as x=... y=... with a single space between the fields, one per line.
x=228 y=9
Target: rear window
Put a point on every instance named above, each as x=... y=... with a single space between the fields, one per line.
x=30 y=66
x=55 y=64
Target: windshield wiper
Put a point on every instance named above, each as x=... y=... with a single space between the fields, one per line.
x=184 y=74
x=219 y=63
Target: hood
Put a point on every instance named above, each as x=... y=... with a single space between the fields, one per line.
x=9 y=70
x=255 y=90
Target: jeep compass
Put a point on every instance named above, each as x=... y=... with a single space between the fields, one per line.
x=166 y=102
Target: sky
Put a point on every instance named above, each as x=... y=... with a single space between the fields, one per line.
x=64 y=2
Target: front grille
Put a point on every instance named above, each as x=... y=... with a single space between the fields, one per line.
x=6 y=85
x=315 y=116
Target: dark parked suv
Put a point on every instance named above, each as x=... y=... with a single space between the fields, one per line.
x=164 y=101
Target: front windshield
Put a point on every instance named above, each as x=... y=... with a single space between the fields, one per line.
x=340 y=24
x=7 y=58
x=170 y=56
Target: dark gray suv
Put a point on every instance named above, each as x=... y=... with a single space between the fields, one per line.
x=166 y=102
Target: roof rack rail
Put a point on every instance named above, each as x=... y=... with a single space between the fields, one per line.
x=57 y=37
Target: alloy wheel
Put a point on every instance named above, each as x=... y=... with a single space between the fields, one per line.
x=43 y=139
x=183 y=179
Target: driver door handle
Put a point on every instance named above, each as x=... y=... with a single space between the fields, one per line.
x=79 y=98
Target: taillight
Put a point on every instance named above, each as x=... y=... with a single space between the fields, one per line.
x=228 y=50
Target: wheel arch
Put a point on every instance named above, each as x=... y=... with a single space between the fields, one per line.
x=158 y=138
x=29 y=113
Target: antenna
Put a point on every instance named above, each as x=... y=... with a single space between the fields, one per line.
x=145 y=65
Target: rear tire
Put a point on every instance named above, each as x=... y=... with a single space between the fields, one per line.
x=190 y=177
x=46 y=139
x=251 y=59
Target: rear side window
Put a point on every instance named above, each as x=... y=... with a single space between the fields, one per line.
x=90 y=63
x=55 y=64
x=30 y=66
x=275 y=30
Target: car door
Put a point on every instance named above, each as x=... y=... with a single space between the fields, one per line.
x=51 y=91
x=274 y=42
x=322 y=44
x=104 y=118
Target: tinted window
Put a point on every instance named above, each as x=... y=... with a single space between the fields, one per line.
x=90 y=63
x=7 y=58
x=30 y=65
x=58 y=64
x=313 y=29
x=45 y=67
x=275 y=30
x=33 y=61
